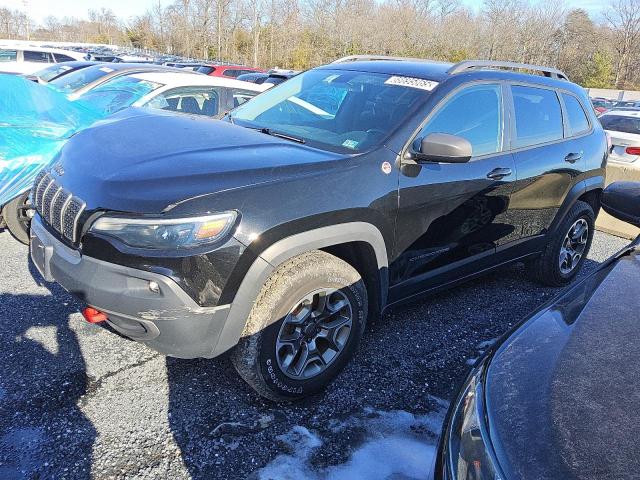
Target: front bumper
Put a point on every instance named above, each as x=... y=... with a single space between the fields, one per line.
x=168 y=320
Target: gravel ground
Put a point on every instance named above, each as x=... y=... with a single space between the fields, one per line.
x=78 y=401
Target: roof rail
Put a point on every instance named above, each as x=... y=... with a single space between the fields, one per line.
x=369 y=58
x=475 y=64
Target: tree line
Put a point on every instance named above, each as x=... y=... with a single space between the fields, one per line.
x=598 y=50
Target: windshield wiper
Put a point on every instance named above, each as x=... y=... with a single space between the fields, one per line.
x=284 y=136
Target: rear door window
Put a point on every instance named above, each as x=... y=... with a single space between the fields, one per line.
x=191 y=100
x=475 y=114
x=578 y=122
x=538 y=117
x=38 y=57
x=8 y=55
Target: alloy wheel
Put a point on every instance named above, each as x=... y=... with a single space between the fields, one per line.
x=314 y=333
x=573 y=246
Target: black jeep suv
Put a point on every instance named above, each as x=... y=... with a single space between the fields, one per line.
x=278 y=232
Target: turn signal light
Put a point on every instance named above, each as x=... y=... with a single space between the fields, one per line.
x=633 y=150
x=92 y=315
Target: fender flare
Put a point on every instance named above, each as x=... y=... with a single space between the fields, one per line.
x=577 y=191
x=287 y=248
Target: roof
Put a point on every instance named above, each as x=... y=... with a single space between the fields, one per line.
x=69 y=53
x=186 y=79
x=439 y=71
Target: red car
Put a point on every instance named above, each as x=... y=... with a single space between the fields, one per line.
x=231 y=71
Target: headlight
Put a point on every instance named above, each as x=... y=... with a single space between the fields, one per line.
x=162 y=234
x=468 y=452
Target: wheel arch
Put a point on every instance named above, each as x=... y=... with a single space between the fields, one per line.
x=359 y=243
x=588 y=191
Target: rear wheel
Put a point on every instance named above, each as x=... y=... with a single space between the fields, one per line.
x=567 y=249
x=17 y=215
x=303 y=328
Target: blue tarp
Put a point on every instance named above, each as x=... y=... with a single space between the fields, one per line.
x=36 y=121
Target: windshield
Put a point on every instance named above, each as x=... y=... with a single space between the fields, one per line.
x=621 y=123
x=78 y=79
x=118 y=93
x=342 y=111
x=53 y=71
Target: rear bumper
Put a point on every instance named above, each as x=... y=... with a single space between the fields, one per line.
x=168 y=320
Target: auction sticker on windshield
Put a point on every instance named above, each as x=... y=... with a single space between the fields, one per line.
x=412 y=82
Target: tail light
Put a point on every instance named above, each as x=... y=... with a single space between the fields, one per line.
x=633 y=150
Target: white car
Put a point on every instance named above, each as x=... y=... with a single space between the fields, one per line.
x=179 y=92
x=623 y=126
x=26 y=60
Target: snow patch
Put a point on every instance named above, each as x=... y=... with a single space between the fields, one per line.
x=397 y=444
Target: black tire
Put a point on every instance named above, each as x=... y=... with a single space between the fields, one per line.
x=15 y=214
x=256 y=358
x=546 y=269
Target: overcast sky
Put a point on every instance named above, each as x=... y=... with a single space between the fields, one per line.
x=40 y=9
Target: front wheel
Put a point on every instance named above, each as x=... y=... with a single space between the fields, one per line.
x=17 y=215
x=303 y=328
x=567 y=248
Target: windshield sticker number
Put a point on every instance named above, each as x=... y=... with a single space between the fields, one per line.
x=352 y=144
x=411 y=82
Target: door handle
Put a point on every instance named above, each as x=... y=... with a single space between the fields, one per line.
x=573 y=157
x=499 y=173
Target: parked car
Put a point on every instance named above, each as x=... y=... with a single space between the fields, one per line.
x=26 y=60
x=231 y=71
x=273 y=78
x=78 y=83
x=36 y=121
x=623 y=127
x=626 y=104
x=178 y=92
x=601 y=105
x=58 y=70
x=254 y=77
x=351 y=187
x=555 y=398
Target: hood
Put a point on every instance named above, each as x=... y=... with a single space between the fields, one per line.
x=562 y=391
x=144 y=161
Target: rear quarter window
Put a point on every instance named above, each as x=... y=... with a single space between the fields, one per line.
x=538 y=117
x=578 y=122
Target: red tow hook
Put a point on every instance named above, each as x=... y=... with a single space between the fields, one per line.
x=92 y=315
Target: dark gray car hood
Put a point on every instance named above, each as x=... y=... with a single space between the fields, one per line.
x=563 y=392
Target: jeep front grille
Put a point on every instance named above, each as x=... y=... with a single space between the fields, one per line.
x=57 y=207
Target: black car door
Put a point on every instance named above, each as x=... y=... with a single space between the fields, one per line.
x=548 y=163
x=452 y=216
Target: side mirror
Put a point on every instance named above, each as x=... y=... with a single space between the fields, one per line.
x=442 y=147
x=622 y=200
